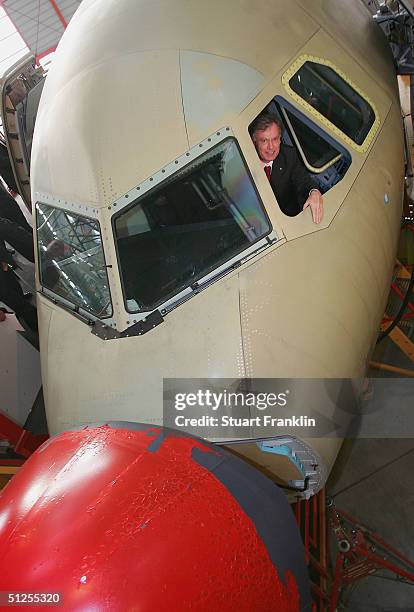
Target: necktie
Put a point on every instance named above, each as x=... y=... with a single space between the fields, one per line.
x=268 y=171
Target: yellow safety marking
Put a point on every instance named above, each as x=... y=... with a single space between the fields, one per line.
x=390 y=368
x=401 y=340
x=403 y=272
x=9 y=469
x=318 y=60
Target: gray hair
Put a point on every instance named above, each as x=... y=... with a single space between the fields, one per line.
x=262 y=122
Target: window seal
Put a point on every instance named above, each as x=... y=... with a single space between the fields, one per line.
x=295 y=67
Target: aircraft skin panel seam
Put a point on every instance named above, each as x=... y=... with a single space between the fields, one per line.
x=271 y=77
x=291 y=240
x=245 y=373
x=182 y=98
x=347 y=50
x=363 y=165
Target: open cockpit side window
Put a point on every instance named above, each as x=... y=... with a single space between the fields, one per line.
x=201 y=218
x=71 y=260
x=325 y=159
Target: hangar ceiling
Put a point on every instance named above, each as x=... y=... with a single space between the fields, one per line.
x=40 y=23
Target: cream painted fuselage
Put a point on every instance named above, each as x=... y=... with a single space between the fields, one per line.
x=134 y=86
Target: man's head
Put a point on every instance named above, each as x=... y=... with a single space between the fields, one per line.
x=57 y=250
x=266 y=133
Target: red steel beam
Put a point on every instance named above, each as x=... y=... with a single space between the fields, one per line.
x=313 y=537
x=384 y=563
x=22 y=441
x=398 y=291
x=44 y=53
x=9 y=430
x=318 y=566
x=59 y=14
x=377 y=538
x=323 y=550
x=306 y=526
x=336 y=583
x=405 y=317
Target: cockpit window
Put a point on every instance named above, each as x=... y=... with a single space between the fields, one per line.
x=326 y=160
x=71 y=259
x=329 y=94
x=189 y=225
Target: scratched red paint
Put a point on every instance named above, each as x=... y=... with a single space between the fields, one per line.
x=95 y=515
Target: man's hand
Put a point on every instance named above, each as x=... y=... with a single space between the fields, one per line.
x=315 y=201
x=4 y=266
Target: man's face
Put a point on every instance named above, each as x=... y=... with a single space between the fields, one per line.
x=267 y=142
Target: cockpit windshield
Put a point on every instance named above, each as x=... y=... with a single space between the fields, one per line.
x=71 y=259
x=189 y=225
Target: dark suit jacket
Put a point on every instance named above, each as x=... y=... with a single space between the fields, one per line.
x=18 y=237
x=290 y=181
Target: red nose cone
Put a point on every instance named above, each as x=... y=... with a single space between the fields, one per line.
x=129 y=517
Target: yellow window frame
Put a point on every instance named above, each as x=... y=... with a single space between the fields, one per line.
x=295 y=67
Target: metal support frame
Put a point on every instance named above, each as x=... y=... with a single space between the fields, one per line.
x=360 y=551
x=8 y=468
x=59 y=13
x=400 y=294
x=390 y=368
x=22 y=441
x=402 y=341
x=42 y=55
x=310 y=516
x=397 y=335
